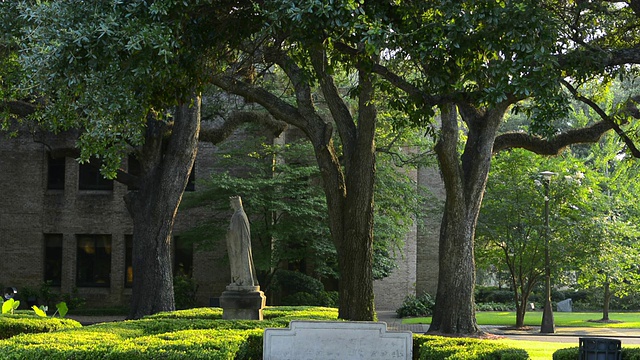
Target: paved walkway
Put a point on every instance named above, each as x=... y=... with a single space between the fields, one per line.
x=562 y=334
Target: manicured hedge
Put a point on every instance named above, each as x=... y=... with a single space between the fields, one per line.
x=441 y=348
x=202 y=334
x=192 y=334
x=574 y=354
x=14 y=324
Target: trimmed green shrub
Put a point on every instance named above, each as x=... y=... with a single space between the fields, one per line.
x=295 y=281
x=573 y=353
x=19 y=323
x=416 y=306
x=322 y=298
x=184 y=291
x=495 y=307
x=193 y=333
x=441 y=348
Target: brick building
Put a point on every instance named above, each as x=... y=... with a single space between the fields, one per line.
x=62 y=223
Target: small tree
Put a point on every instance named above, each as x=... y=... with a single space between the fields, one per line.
x=280 y=186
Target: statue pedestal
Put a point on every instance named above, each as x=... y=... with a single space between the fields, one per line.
x=242 y=303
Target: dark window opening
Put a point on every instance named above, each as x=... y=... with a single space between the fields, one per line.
x=91 y=179
x=55 y=173
x=53 y=259
x=128 y=261
x=93 y=261
x=182 y=257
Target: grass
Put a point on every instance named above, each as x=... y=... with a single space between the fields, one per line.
x=537 y=350
x=574 y=319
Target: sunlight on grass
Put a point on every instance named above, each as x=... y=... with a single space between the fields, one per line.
x=537 y=350
x=628 y=320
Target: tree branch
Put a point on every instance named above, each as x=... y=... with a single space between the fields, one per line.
x=18 y=107
x=235 y=119
x=554 y=145
x=632 y=147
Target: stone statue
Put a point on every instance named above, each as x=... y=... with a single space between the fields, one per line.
x=243 y=273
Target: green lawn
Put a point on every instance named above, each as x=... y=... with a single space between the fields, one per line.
x=538 y=350
x=628 y=319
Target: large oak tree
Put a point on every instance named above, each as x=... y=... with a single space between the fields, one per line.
x=480 y=59
x=126 y=77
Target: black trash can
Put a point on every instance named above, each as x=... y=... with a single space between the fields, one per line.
x=592 y=348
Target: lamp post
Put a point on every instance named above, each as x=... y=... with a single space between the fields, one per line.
x=548 y=326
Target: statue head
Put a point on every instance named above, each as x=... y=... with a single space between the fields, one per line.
x=236 y=202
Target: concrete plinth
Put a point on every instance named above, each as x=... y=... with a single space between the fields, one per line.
x=242 y=303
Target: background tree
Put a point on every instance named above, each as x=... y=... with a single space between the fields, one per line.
x=609 y=265
x=511 y=230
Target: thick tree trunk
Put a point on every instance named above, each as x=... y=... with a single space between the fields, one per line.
x=347 y=179
x=465 y=181
x=454 y=311
x=350 y=199
x=521 y=310
x=166 y=165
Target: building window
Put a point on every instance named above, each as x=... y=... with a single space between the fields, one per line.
x=53 y=259
x=93 y=261
x=55 y=173
x=128 y=261
x=182 y=257
x=89 y=178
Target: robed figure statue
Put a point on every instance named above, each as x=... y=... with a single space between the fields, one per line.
x=243 y=273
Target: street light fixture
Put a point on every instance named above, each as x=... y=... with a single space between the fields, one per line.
x=548 y=326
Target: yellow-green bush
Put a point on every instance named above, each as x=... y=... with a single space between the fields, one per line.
x=193 y=334
x=573 y=353
x=202 y=334
x=441 y=348
x=14 y=324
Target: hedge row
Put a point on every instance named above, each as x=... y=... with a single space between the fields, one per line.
x=14 y=324
x=202 y=334
x=441 y=348
x=574 y=354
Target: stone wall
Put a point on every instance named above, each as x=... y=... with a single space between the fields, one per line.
x=429 y=232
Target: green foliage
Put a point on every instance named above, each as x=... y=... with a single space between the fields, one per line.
x=278 y=186
x=485 y=294
x=104 y=66
x=40 y=311
x=492 y=306
x=11 y=325
x=282 y=194
x=434 y=347
x=301 y=289
x=62 y=309
x=184 y=290
x=193 y=333
x=574 y=354
x=567 y=354
x=416 y=306
x=591 y=221
x=9 y=306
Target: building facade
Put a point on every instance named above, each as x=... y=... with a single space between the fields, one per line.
x=62 y=223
